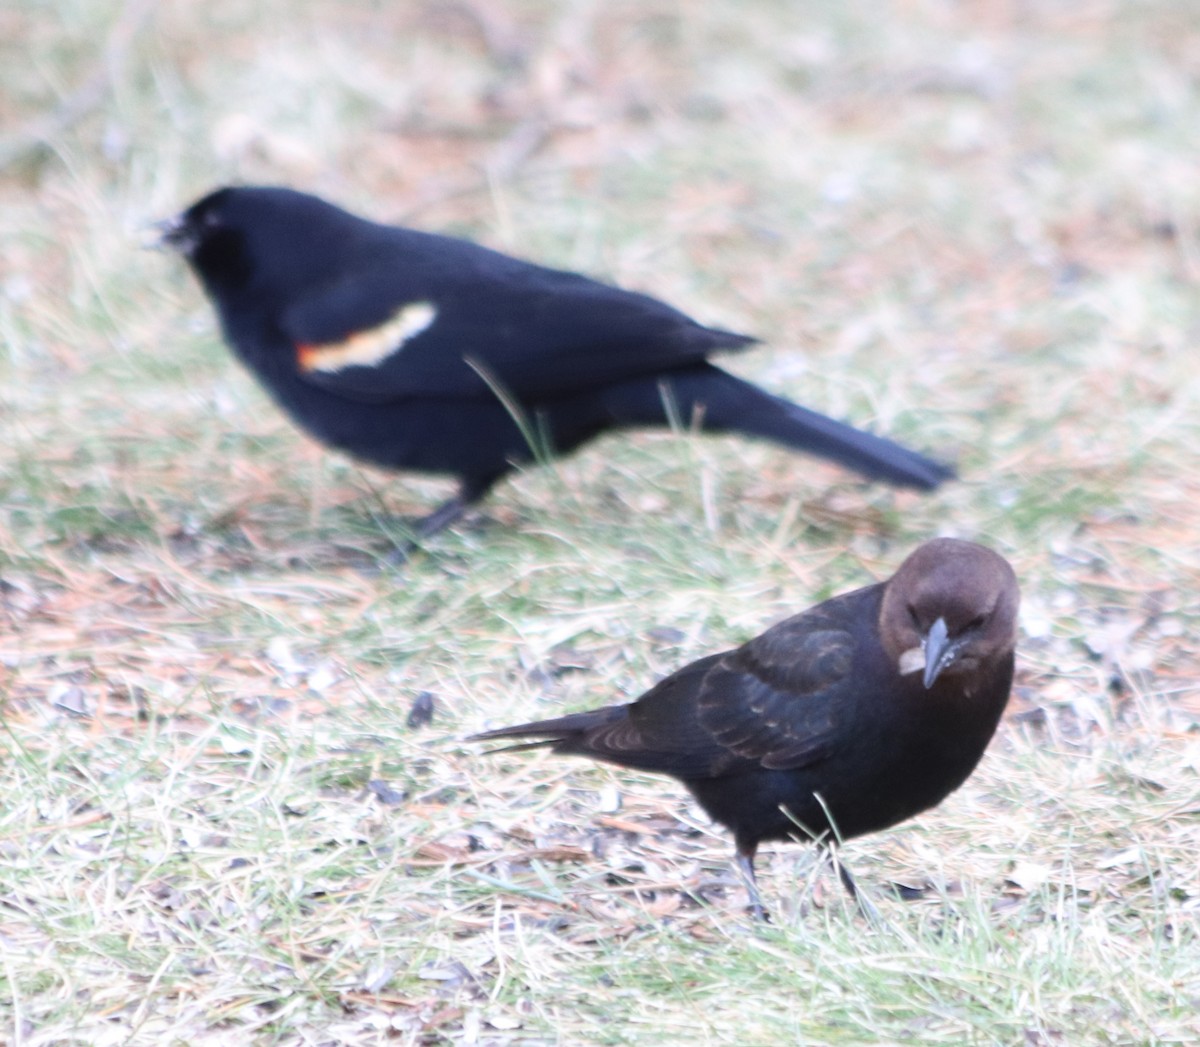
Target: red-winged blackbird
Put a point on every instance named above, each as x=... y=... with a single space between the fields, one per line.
x=423 y=352
x=846 y=719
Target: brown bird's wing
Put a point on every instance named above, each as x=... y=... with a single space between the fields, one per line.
x=660 y=731
x=775 y=702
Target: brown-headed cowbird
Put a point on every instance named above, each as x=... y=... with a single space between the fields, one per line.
x=424 y=352
x=843 y=720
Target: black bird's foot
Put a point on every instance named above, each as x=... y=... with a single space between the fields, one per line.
x=446 y=514
x=449 y=512
x=400 y=553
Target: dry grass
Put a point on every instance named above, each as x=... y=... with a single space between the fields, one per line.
x=971 y=225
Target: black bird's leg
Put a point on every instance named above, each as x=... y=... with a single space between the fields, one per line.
x=427 y=526
x=470 y=490
x=450 y=511
x=744 y=859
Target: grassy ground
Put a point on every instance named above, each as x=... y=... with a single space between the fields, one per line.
x=970 y=225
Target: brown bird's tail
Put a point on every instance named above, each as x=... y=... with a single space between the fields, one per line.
x=564 y=733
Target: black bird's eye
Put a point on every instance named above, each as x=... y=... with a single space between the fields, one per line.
x=977 y=621
x=914 y=617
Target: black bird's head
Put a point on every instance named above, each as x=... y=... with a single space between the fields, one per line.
x=950 y=610
x=211 y=236
x=260 y=240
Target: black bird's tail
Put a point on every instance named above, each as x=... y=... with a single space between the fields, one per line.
x=873 y=456
x=725 y=403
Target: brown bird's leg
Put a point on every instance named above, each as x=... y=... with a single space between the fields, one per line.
x=744 y=859
x=865 y=905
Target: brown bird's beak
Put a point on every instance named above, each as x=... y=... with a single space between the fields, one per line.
x=939 y=651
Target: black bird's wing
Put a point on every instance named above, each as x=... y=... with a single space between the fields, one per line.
x=427 y=316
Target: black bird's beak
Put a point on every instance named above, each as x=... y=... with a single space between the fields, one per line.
x=939 y=651
x=171 y=234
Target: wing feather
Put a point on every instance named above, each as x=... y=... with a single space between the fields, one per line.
x=400 y=329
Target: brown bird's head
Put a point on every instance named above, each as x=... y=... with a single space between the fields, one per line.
x=950 y=609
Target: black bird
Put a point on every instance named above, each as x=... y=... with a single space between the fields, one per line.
x=845 y=719
x=417 y=351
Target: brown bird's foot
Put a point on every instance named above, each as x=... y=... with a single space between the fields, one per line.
x=757 y=912
x=745 y=866
x=865 y=905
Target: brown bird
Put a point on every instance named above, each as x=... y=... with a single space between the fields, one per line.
x=845 y=719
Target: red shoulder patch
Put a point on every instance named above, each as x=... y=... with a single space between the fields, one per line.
x=371 y=347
